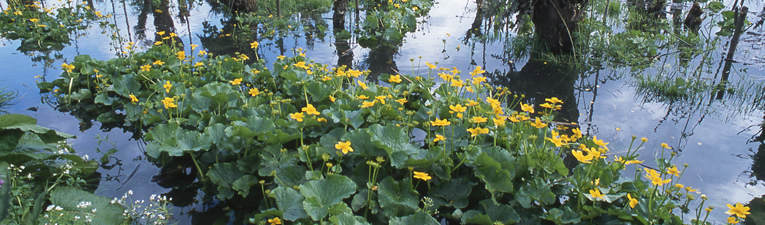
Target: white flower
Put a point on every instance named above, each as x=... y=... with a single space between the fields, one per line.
x=50 y=207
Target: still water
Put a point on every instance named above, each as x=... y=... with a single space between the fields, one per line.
x=720 y=139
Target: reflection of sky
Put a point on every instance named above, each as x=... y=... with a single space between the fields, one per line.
x=716 y=151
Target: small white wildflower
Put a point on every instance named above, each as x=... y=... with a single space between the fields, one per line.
x=58 y=208
x=94 y=210
x=76 y=217
x=22 y=167
x=85 y=157
x=29 y=176
x=50 y=207
x=130 y=192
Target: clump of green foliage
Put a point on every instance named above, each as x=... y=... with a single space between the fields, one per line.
x=311 y=143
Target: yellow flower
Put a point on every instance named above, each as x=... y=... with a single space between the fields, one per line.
x=362 y=97
x=367 y=104
x=472 y=103
x=477 y=71
x=643 y=139
x=167 y=86
x=478 y=119
x=655 y=177
x=633 y=202
x=415 y=8
x=254 y=45
x=331 y=98
x=665 y=145
x=673 y=170
x=254 y=92
x=161 y=33
x=596 y=193
x=181 y=55
x=133 y=98
x=457 y=108
x=401 y=101
x=476 y=131
x=557 y=141
x=397 y=5
x=527 y=108
x=440 y=123
x=146 y=68
x=732 y=220
x=281 y=57
x=600 y=143
x=499 y=120
x=679 y=186
x=67 y=67
x=297 y=116
x=579 y=155
x=457 y=83
x=478 y=80
x=198 y=64
x=344 y=146
x=422 y=176
x=381 y=99
x=538 y=123
x=739 y=210
x=310 y=110
x=446 y=77
x=236 y=81
x=438 y=138
x=158 y=43
x=362 y=85
x=275 y=221
x=689 y=189
x=553 y=100
x=34 y=20
x=159 y=63
x=395 y=79
x=323 y=120
x=193 y=46
x=431 y=66
x=203 y=52
x=169 y=103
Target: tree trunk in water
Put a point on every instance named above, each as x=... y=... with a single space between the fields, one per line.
x=555 y=21
x=338 y=17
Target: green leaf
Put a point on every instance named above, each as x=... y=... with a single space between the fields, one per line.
x=453 y=192
x=5 y=191
x=396 y=198
x=224 y=175
x=103 y=98
x=419 y=218
x=244 y=183
x=69 y=198
x=537 y=190
x=347 y=219
x=715 y=6
x=291 y=175
x=395 y=141
x=498 y=212
x=16 y=119
x=322 y=194
x=290 y=202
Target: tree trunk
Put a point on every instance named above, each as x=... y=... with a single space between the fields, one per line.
x=555 y=21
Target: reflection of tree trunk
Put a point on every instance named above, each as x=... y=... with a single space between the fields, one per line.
x=475 y=28
x=554 y=20
x=338 y=17
x=693 y=20
x=241 y=5
x=163 y=21
x=740 y=17
x=344 y=53
x=140 y=28
x=381 y=61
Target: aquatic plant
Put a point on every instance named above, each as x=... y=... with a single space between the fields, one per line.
x=310 y=143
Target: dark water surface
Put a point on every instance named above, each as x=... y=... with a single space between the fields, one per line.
x=716 y=137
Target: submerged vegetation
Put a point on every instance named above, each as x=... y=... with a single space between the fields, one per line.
x=296 y=141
